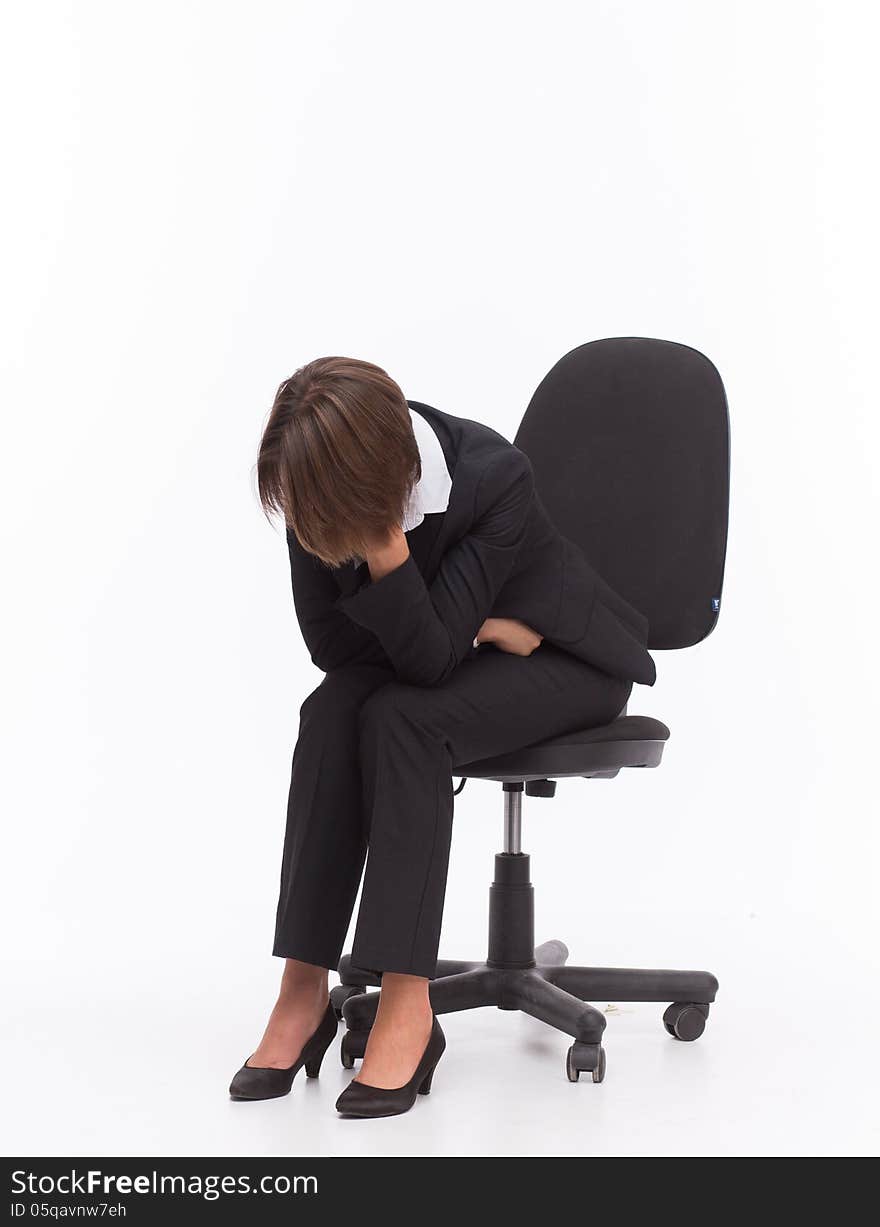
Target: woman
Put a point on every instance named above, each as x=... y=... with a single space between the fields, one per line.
x=453 y=622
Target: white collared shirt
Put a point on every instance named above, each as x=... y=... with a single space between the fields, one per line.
x=430 y=493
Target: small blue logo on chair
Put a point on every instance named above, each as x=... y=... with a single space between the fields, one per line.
x=716 y=603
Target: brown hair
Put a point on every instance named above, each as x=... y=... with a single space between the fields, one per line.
x=338 y=456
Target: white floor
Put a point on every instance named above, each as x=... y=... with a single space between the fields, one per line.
x=131 y=1062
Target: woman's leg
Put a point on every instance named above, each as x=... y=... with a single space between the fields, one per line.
x=324 y=848
x=302 y=1003
x=410 y=739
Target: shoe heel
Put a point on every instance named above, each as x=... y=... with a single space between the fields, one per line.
x=313 y=1064
x=313 y=1067
x=425 y=1088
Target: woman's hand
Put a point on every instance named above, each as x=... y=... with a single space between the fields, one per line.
x=510 y=635
x=387 y=554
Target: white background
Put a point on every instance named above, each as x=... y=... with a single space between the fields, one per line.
x=199 y=197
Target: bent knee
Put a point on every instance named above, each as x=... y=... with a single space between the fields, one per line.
x=393 y=708
x=339 y=696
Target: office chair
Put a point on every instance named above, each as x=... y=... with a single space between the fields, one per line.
x=629 y=442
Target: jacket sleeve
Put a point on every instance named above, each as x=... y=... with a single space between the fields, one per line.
x=426 y=631
x=331 y=638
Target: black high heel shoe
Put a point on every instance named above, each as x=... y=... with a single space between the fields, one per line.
x=263 y=1082
x=360 y=1099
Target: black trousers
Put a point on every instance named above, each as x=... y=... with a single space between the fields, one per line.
x=372 y=778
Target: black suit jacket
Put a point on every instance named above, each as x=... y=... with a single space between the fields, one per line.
x=493 y=552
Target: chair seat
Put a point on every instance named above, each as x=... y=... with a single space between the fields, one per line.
x=630 y=741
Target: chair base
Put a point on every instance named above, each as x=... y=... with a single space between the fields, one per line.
x=516 y=976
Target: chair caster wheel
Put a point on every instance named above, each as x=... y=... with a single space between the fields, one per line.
x=686 y=1021
x=585 y=1058
x=352 y=1048
x=340 y=994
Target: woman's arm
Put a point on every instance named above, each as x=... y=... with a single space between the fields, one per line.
x=332 y=639
x=508 y=634
x=425 y=631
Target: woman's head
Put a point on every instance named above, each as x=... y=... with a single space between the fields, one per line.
x=338 y=457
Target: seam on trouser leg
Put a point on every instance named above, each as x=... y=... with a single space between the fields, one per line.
x=378 y=769
x=421 y=909
x=426 y=738
x=286 y=889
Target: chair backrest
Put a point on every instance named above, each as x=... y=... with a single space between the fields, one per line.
x=630 y=443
